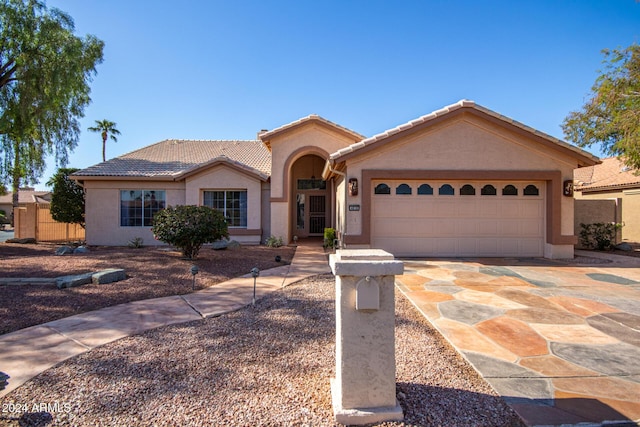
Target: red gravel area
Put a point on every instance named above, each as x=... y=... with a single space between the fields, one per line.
x=263 y=366
x=152 y=272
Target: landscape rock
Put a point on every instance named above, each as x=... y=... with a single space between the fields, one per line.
x=623 y=247
x=97 y=278
x=73 y=280
x=64 y=250
x=108 y=276
x=233 y=245
x=81 y=250
x=3 y=380
x=24 y=240
x=220 y=245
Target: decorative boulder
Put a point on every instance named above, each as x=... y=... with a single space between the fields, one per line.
x=623 y=247
x=219 y=245
x=108 y=276
x=24 y=240
x=73 y=280
x=233 y=245
x=64 y=250
x=81 y=250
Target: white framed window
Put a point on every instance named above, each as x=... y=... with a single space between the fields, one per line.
x=232 y=204
x=137 y=207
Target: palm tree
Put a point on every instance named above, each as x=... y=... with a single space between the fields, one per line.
x=108 y=130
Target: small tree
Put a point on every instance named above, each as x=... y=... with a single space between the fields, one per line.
x=610 y=116
x=189 y=227
x=67 y=199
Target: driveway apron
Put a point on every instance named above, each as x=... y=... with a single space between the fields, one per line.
x=559 y=341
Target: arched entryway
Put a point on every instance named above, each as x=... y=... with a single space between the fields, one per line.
x=310 y=198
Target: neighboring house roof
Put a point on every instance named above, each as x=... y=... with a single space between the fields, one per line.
x=426 y=120
x=27 y=196
x=611 y=174
x=267 y=136
x=175 y=158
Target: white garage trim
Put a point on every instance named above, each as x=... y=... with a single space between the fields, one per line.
x=479 y=223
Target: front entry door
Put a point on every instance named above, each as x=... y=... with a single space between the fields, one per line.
x=311 y=213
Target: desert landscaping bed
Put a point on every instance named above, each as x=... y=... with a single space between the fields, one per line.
x=263 y=366
x=152 y=272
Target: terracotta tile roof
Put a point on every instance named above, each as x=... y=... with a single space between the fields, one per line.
x=173 y=158
x=27 y=196
x=448 y=109
x=610 y=174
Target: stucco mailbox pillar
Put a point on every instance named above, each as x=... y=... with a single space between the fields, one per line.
x=364 y=388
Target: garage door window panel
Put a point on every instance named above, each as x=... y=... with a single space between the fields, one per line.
x=446 y=190
x=488 y=190
x=382 y=189
x=510 y=190
x=425 y=190
x=467 y=190
x=403 y=189
x=531 y=190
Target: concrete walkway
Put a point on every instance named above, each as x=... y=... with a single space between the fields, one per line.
x=30 y=351
x=559 y=342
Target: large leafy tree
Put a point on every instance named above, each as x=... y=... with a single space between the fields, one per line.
x=67 y=198
x=45 y=71
x=611 y=116
x=107 y=130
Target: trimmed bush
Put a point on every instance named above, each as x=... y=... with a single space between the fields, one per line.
x=189 y=227
x=274 y=242
x=329 y=238
x=600 y=235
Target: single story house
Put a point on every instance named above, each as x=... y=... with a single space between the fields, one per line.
x=460 y=181
x=609 y=192
x=26 y=196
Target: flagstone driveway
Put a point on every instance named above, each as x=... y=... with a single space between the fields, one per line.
x=560 y=342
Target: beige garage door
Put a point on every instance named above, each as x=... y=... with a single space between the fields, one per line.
x=451 y=218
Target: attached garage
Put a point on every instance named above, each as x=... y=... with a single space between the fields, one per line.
x=458 y=218
x=462 y=181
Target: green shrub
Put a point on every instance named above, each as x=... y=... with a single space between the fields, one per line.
x=136 y=242
x=189 y=227
x=599 y=235
x=329 y=238
x=274 y=242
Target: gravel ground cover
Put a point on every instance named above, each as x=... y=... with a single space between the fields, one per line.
x=263 y=366
x=152 y=272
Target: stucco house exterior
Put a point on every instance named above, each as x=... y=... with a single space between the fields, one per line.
x=460 y=181
x=609 y=192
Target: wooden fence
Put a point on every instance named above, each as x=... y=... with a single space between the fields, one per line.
x=34 y=220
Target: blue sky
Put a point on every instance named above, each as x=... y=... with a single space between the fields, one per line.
x=226 y=69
